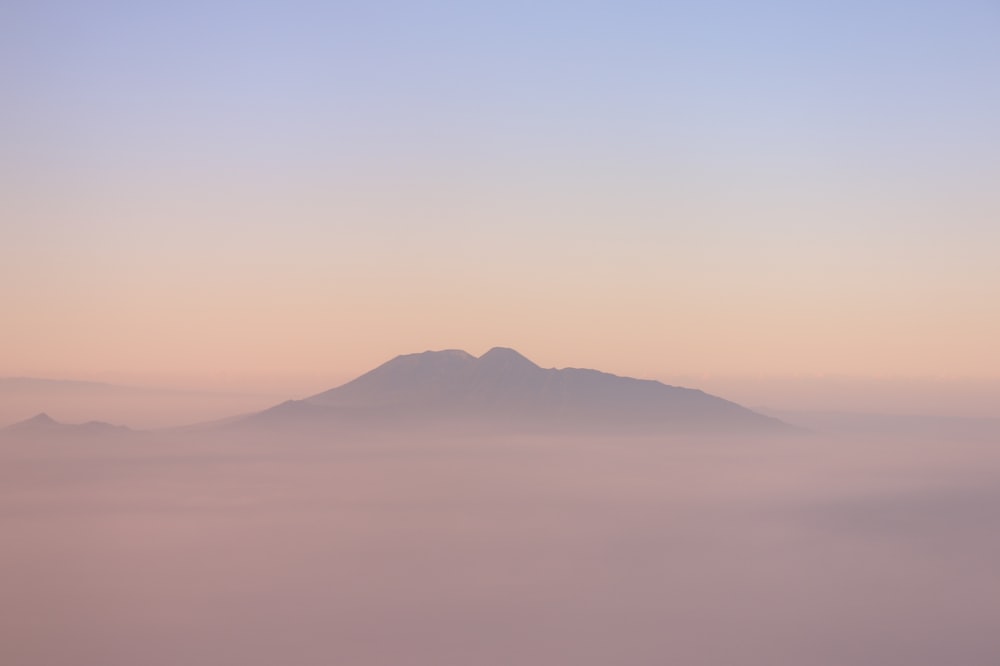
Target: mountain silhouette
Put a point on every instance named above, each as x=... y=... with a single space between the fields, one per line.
x=44 y=425
x=502 y=389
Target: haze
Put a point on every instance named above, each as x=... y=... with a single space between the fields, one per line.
x=411 y=550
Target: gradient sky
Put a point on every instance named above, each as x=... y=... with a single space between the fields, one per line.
x=227 y=193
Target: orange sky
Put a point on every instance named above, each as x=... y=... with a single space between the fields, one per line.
x=221 y=302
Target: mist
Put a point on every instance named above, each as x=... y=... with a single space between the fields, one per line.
x=401 y=547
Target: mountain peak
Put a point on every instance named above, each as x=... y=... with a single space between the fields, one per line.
x=402 y=378
x=40 y=421
x=502 y=351
x=505 y=357
x=432 y=356
x=43 y=424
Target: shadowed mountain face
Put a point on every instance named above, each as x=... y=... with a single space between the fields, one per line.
x=503 y=389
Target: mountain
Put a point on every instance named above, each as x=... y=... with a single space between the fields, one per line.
x=504 y=390
x=43 y=425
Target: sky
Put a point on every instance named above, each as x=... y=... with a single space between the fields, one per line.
x=276 y=195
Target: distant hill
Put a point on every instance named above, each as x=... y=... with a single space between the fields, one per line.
x=43 y=425
x=137 y=406
x=504 y=390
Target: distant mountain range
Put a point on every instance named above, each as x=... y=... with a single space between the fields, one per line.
x=504 y=390
x=45 y=426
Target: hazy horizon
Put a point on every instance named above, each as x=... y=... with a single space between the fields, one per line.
x=140 y=406
x=940 y=394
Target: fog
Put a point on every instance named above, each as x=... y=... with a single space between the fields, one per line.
x=201 y=548
x=944 y=396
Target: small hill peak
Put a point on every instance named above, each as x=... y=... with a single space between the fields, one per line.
x=36 y=422
x=432 y=356
x=505 y=357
